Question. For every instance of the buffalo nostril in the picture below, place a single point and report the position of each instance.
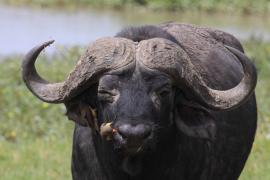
(123, 130)
(146, 134)
(140, 131)
(144, 131)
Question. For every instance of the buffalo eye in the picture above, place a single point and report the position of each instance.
(106, 96)
(164, 91)
(160, 95)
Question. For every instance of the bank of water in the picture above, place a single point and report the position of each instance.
(21, 28)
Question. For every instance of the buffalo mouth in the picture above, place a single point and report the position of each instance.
(135, 148)
(131, 146)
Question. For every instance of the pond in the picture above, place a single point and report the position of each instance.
(21, 28)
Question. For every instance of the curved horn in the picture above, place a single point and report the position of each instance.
(101, 56)
(178, 64)
(235, 96)
(48, 92)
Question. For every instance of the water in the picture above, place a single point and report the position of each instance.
(23, 28)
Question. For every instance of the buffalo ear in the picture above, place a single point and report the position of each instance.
(194, 120)
(82, 110)
(82, 114)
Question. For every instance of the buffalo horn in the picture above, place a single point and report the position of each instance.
(101, 56)
(170, 58)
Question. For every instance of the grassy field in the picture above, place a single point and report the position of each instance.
(234, 6)
(35, 137)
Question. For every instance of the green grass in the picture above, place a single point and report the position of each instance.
(36, 137)
(234, 6)
(258, 165)
(34, 158)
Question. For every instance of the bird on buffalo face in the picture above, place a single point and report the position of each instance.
(170, 101)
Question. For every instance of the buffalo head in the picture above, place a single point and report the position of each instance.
(141, 88)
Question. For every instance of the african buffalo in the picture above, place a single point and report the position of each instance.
(166, 102)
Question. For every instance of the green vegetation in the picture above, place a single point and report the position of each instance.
(36, 137)
(258, 166)
(236, 6)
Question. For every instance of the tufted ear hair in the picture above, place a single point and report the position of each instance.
(194, 120)
(82, 109)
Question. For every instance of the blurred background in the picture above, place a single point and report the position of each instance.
(36, 137)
